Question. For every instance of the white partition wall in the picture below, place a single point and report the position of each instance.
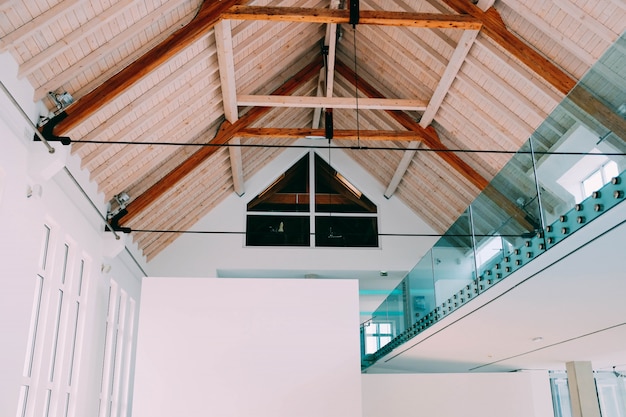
(248, 347)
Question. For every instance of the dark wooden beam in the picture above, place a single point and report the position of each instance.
(226, 132)
(430, 138)
(428, 135)
(208, 15)
(342, 16)
(495, 28)
(304, 198)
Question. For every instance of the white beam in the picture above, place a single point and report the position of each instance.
(226, 60)
(454, 65)
(457, 59)
(331, 39)
(331, 102)
(407, 157)
(327, 75)
(317, 112)
(582, 389)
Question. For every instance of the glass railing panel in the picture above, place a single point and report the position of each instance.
(569, 172)
(454, 266)
(420, 282)
(507, 220)
(387, 322)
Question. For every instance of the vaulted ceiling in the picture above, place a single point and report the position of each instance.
(160, 86)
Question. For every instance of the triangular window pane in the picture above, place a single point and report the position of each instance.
(288, 193)
(334, 193)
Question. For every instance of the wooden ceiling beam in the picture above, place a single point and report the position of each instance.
(226, 63)
(209, 14)
(450, 73)
(431, 139)
(282, 133)
(304, 198)
(331, 102)
(401, 169)
(495, 28)
(18, 35)
(342, 16)
(226, 132)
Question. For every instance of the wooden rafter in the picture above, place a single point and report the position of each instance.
(327, 74)
(401, 169)
(495, 28)
(319, 133)
(331, 102)
(341, 16)
(226, 62)
(456, 61)
(226, 132)
(204, 21)
(430, 138)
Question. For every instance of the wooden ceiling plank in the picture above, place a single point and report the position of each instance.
(339, 134)
(85, 106)
(495, 28)
(538, 84)
(556, 36)
(431, 139)
(179, 133)
(582, 17)
(103, 130)
(80, 33)
(27, 29)
(78, 67)
(226, 60)
(330, 102)
(341, 16)
(154, 129)
(226, 132)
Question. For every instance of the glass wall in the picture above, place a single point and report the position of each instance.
(610, 386)
(569, 172)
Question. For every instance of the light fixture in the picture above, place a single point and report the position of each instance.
(537, 339)
(60, 100)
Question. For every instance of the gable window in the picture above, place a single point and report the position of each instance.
(312, 204)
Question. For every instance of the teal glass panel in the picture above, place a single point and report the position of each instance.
(421, 291)
(569, 172)
(454, 266)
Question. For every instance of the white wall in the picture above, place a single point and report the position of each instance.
(36, 192)
(202, 255)
(522, 394)
(248, 348)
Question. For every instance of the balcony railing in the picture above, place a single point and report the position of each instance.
(568, 173)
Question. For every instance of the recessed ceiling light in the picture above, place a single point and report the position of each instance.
(537, 339)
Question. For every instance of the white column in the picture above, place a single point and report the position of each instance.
(582, 390)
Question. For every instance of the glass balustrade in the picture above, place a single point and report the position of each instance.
(570, 171)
